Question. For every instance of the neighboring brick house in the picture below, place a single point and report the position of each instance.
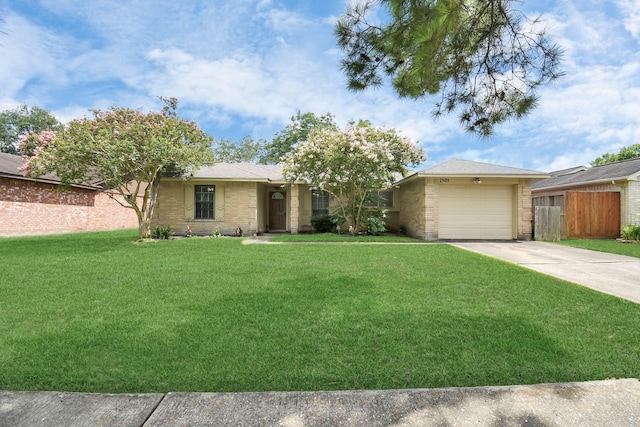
(29, 206)
(594, 201)
(457, 199)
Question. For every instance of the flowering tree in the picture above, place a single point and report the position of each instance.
(352, 164)
(123, 150)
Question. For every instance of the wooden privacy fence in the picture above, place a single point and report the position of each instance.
(547, 223)
(593, 214)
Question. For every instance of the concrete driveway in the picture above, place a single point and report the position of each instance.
(612, 274)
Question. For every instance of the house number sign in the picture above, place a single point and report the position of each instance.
(444, 180)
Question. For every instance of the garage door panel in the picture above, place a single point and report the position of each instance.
(475, 212)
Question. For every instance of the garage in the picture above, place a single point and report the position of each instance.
(475, 211)
(463, 199)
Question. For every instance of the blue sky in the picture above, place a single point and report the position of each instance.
(244, 67)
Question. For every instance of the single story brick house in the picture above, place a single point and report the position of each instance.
(230, 196)
(594, 201)
(457, 199)
(37, 206)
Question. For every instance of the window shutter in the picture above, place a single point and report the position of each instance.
(220, 202)
(189, 202)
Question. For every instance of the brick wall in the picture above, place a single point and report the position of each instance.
(241, 204)
(236, 206)
(28, 208)
(632, 215)
(524, 213)
(304, 212)
(432, 206)
(412, 197)
(241, 207)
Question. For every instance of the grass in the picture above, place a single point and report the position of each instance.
(96, 313)
(605, 245)
(342, 238)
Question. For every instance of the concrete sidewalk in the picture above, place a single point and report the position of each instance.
(599, 403)
(612, 274)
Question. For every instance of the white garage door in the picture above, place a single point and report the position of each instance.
(475, 212)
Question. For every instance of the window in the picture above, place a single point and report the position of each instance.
(319, 203)
(385, 199)
(380, 199)
(205, 201)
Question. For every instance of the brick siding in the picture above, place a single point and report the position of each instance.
(236, 206)
(632, 213)
(413, 212)
(524, 223)
(30, 208)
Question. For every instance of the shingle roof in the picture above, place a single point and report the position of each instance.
(453, 167)
(457, 167)
(619, 171)
(10, 165)
(241, 171)
(569, 171)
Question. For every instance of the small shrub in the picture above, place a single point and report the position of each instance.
(631, 232)
(162, 233)
(216, 232)
(375, 225)
(323, 224)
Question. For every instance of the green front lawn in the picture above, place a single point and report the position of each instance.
(97, 313)
(605, 245)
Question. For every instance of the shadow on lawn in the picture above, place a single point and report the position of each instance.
(249, 342)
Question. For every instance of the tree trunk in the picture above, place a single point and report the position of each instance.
(144, 229)
(148, 206)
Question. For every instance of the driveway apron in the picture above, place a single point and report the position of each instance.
(612, 274)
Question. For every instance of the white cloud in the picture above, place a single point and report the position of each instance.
(28, 53)
(247, 66)
(239, 84)
(8, 104)
(631, 11)
(284, 21)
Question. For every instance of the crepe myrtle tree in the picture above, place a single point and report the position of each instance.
(352, 164)
(124, 150)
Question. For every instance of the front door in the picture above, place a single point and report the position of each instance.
(277, 211)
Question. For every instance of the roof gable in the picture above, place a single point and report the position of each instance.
(619, 171)
(457, 167)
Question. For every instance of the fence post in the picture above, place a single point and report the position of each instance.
(547, 223)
